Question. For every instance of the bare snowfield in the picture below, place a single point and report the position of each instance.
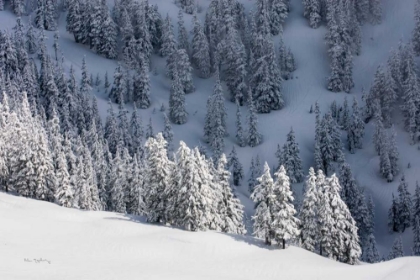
(41, 240)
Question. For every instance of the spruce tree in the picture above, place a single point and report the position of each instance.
(397, 250)
(200, 56)
(232, 210)
(416, 241)
(393, 218)
(416, 31)
(141, 85)
(404, 205)
(240, 134)
(308, 213)
(375, 9)
(370, 252)
(177, 111)
(156, 177)
(254, 136)
(263, 196)
(291, 159)
(235, 165)
(183, 42)
(285, 223)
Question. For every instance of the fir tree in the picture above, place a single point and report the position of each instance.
(141, 86)
(404, 205)
(200, 56)
(371, 254)
(285, 223)
(232, 210)
(397, 250)
(393, 218)
(254, 136)
(235, 165)
(308, 213)
(177, 111)
(416, 241)
(240, 135)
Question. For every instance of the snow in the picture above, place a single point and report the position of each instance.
(76, 244)
(307, 87)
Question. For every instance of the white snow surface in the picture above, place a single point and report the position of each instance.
(40, 240)
(307, 87)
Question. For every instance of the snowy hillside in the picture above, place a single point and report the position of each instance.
(44, 241)
(127, 246)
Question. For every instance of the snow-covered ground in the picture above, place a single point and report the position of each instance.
(40, 240)
(307, 87)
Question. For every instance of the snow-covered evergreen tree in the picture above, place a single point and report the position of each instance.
(254, 136)
(141, 85)
(200, 56)
(235, 165)
(240, 134)
(156, 178)
(308, 213)
(285, 224)
(404, 205)
(232, 210)
(264, 197)
(312, 11)
(375, 9)
(370, 252)
(183, 42)
(397, 250)
(291, 159)
(416, 238)
(393, 218)
(177, 111)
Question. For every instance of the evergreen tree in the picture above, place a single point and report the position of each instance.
(264, 197)
(177, 111)
(111, 130)
(291, 159)
(285, 223)
(232, 210)
(393, 218)
(183, 42)
(118, 183)
(308, 213)
(119, 88)
(240, 135)
(168, 135)
(371, 254)
(404, 205)
(416, 241)
(397, 250)
(200, 56)
(312, 11)
(254, 136)
(416, 203)
(141, 86)
(235, 165)
(156, 177)
(168, 38)
(375, 9)
(416, 31)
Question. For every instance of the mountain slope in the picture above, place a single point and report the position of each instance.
(101, 245)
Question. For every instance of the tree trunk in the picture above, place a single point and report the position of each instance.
(284, 244)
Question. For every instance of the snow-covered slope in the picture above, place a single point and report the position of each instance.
(307, 87)
(41, 240)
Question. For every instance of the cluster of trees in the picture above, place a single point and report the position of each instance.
(317, 11)
(325, 222)
(405, 210)
(351, 122)
(344, 20)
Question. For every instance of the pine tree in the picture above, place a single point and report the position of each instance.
(141, 86)
(183, 42)
(232, 210)
(375, 9)
(308, 213)
(118, 183)
(404, 205)
(278, 14)
(254, 136)
(291, 159)
(235, 165)
(312, 11)
(393, 218)
(156, 177)
(371, 254)
(168, 38)
(416, 31)
(149, 131)
(64, 192)
(397, 250)
(200, 56)
(111, 130)
(416, 203)
(240, 135)
(285, 223)
(177, 111)
(119, 87)
(168, 135)
(184, 69)
(416, 241)
(263, 196)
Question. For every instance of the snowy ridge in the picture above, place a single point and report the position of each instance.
(101, 245)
